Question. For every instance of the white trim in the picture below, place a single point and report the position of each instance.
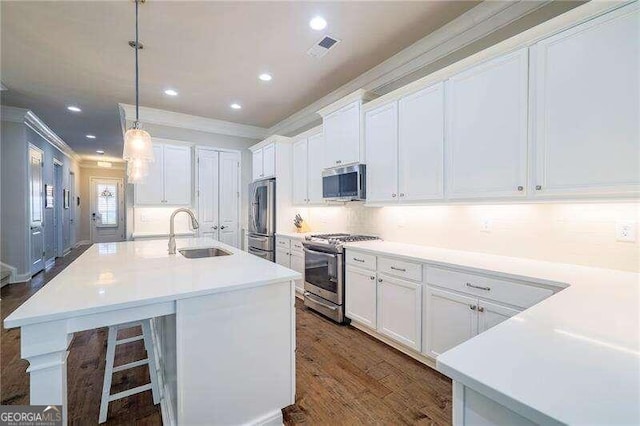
(270, 419)
(307, 133)
(82, 243)
(268, 141)
(93, 164)
(21, 278)
(3, 87)
(473, 25)
(193, 122)
(12, 272)
(358, 95)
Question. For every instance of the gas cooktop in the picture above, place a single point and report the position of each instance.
(336, 239)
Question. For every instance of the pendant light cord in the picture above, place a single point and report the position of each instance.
(137, 47)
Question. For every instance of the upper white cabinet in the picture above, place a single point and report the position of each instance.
(169, 178)
(307, 154)
(381, 130)
(486, 125)
(587, 88)
(342, 136)
(264, 162)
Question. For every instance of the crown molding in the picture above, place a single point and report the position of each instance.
(192, 122)
(469, 27)
(359, 95)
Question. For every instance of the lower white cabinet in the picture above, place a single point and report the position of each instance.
(290, 255)
(492, 314)
(400, 310)
(360, 294)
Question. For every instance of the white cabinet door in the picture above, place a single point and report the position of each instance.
(297, 264)
(360, 294)
(257, 170)
(400, 310)
(342, 135)
(491, 314)
(421, 145)
(381, 141)
(331, 125)
(177, 175)
(486, 150)
(229, 198)
(151, 191)
(449, 320)
(283, 257)
(207, 194)
(269, 161)
(300, 172)
(315, 164)
(587, 104)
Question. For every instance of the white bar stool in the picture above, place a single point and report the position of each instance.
(112, 343)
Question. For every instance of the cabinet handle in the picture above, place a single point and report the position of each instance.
(393, 195)
(479, 287)
(223, 227)
(480, 309)
(358, 260)
(398, 269)
(379, 280)
(215, 227)
(538, 187)
(402, 194)
(521, 188)
(372, 278)
(472, 307)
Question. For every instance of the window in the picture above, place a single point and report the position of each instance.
(107, 204)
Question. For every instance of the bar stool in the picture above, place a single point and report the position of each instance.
(150, 360)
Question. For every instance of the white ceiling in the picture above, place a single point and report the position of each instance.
(60, 53)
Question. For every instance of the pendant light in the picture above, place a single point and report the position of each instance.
(138, 150)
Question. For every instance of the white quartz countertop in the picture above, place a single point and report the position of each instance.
(573, 358)
(120, 275)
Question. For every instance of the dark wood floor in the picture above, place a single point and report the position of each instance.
(344, 376)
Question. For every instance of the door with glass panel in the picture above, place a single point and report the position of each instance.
(36, 214)
(107, 210)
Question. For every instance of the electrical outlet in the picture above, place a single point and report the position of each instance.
(485, 225)
(626, 231)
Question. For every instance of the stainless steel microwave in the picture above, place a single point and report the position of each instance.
(344, 183)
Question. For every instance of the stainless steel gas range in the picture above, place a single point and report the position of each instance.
(324, 272)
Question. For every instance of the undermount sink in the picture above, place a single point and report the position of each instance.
(197, 253)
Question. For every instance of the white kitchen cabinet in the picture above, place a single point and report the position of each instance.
(315, 156)
(381, 139)
(449, 320)
(399, 310)
(297, 264)
(341, 130)
(169, 178)
(361, 296)
(491, 314)
(300, 172)
(264, 162)
(289, 253)
(283, 257)
(421, 145)
(586, 86)
(486, 129)
(257, 167)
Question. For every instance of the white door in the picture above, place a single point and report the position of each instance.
(208, 193)
(72, 209)
(449, 320)
(229, 198)
(58, 211)
(400, 311)
(492, 314)
(297, 264)
(486, 150)
(36, 205)
(587, 104)
(257, 170)
(300, 172)
(107, 210)
(421, 145)
(151, 190)
(315, 165)
(177, 175)
(269, 161)
(381, 139)
(283, 257)
(360, 296)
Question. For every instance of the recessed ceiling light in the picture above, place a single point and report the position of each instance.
(265, 77)
(91, 136)
(171, 92)
(318, 23)
(101, 152)
(236, 106)
(74, 108)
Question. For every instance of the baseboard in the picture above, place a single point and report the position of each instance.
(50, 262)
(82, 243)
(428, 361)
(300, 293)
(270, 419)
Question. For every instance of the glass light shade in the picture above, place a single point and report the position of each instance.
(137, 170)
(137, 145)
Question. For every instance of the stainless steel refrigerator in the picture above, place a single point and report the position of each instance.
(262, 218)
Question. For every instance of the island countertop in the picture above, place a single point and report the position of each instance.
(128, 274)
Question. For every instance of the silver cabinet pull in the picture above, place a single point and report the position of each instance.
(215, 227)
(372, 278)
(223, 227)
(472, 307)
(379, 280)
(398, 269)
(393, 195)
(479, 287)
(402, 194)
(521, 188)
(538, 187)
(480, 309)
(358, 260)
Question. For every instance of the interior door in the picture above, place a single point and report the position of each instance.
(72, 209)
(208, 185)
(107, 210)
(229, 198)
(36, 204)
(58, 211)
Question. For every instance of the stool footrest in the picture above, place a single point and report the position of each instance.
(131, 365)
(130, 392)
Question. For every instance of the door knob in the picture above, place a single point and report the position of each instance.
(215, 227)
(223, 227)
(521, 188)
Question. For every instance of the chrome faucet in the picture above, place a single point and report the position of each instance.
(172, 233)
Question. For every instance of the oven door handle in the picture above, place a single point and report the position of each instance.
(315, 300)
(319, 253)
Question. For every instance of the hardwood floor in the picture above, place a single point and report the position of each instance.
(344, 376)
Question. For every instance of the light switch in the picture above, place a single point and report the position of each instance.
(626, 231)
(485, 225)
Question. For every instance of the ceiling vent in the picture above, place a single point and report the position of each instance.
(321, 48)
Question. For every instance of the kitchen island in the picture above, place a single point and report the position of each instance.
(224, 327)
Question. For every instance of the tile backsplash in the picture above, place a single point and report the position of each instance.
(579, 233)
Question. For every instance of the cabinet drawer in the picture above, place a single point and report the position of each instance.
(283, 242)
(361, 260)
(400, 268)
(296, 245)
(487, 287)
